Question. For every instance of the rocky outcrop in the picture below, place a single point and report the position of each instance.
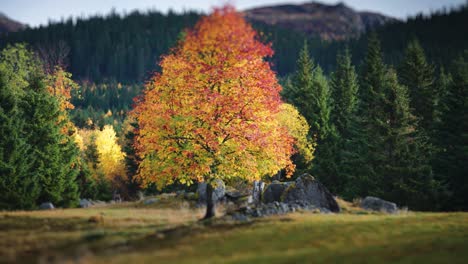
(330, 22)
(257, 190)
(85, 203)
(274, 191)
(377, 204)
(218, 192)
(305, 194)
(309, 190)
(275, 208)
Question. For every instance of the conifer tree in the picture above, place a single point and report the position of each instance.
(344, 87)
(297, 90)
(407, 173)
(391, 154)
(35, 148)
(56, 153)
(364, 153)
(310, 92)
(19, 186)
(418, 75)
(453, 136)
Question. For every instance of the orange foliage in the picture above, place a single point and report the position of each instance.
(212, 113)
(60, 85)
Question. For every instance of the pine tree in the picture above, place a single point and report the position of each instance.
(407, 173)
(364, 154)
(310, 92)
(344, 86)
(56, 153)
(34, 148)
(390, 154)
(418, 75)
(298, 90)
(19, 186)
(453, 136)
(131, 159)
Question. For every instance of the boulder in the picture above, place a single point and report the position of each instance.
(274, 191)
(308, 190)
(218, 192)
(85, 203)
(257, 190)
(150, 201)
(377, 204)
(190, 196)
(46, 206)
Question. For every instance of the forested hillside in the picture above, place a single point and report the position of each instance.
(127, 48)
(387, 111)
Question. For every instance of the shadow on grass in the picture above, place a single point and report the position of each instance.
(58, 240)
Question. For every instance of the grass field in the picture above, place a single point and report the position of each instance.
(171, 233)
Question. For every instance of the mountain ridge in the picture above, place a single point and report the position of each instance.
(329, 22)
(9, 25)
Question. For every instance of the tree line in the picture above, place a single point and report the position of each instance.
(394, 132)
(127, 48)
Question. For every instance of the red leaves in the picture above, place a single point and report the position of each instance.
(214, 107)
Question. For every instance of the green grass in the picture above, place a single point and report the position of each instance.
(133, 233)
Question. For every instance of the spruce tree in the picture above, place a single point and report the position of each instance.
(131, 159)
(56, 153)
(391, 155)
(364, 154)
(344, 87)
(19, 186)
(407, 172)
(310, 92)
(453, 136)
(418, 75)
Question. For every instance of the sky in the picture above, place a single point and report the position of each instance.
(37, 12)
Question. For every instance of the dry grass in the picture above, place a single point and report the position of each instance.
(169, 232)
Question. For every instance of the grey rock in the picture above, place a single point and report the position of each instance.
(307, 190)
(257, 190)
(189, 196)
(377, 204)
(274, 191)
(85, 203)
(46, 206)
(240, 217)
(150, 201)
(218, 192)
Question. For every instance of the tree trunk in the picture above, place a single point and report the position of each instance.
(210, 205)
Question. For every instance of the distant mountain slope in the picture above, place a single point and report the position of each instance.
(9, 25)
(329, 22)
(126, 48)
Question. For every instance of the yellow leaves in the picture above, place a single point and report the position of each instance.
(79, 141)
(111, 157)
(298, 128)
(212, 112)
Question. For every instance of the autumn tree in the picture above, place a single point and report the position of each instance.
(110, 155)
(212, 112)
